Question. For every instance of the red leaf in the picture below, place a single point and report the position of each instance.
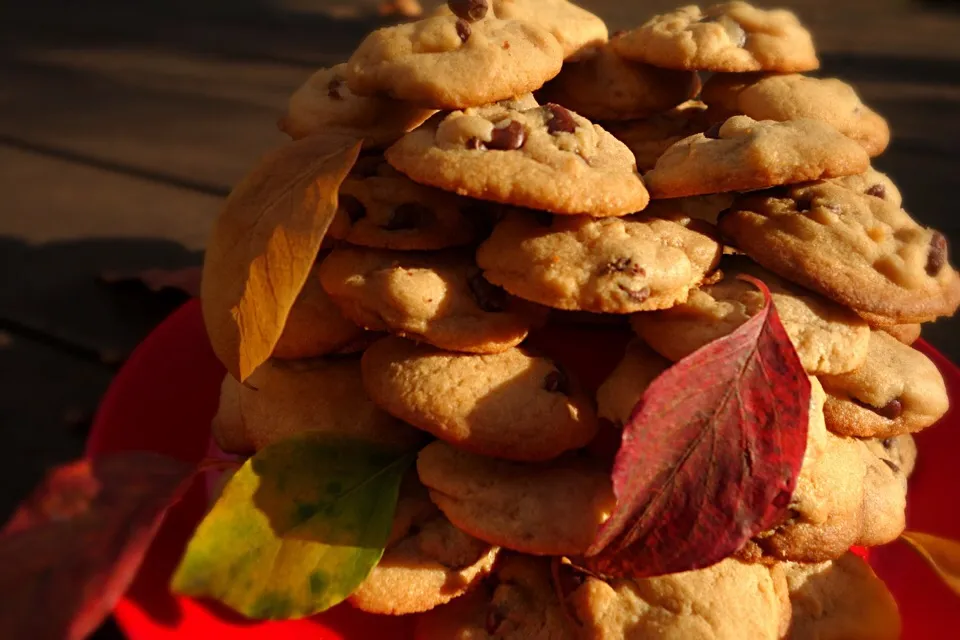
(74, 546)
(710, 456)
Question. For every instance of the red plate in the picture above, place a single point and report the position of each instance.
(164, 397)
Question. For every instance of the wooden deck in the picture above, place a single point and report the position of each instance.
(121, 131)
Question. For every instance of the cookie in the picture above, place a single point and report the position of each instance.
(518, 602)
(601, 85)
(846, 495)
(287, 398)
(510, 405)
(905, 333)
(730, 37)
(445, 62)
(427, 561)
(572, 26)
(871, 183)
(828, 338)
(325, 102)
(883, 509)
(316, 327)
(792, 97)
(603, 265)
(840, 600)
(706, 208)
(896, 390)
(524, 507)
(861, 251)
(544, 158)
(730, 600)
(742, 154)
(899, 453)
(649, 138)
(382, 208)
(439, 298)
(621, 391)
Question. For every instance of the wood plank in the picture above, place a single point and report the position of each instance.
(165, 115)
(65, 223)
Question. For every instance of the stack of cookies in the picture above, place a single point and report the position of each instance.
(523, 169)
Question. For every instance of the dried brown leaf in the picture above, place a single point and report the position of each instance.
(265, 243)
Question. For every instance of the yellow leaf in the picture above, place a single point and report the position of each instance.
(941, 554)
(264, 244)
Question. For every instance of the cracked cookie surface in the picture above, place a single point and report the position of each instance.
(545, 158)
(602, 265)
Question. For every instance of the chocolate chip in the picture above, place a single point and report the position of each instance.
(557, 382)
(487, 295)
(622, 265)
(409, 215)
(508, 138)
(474, 144)
(469, 10)
(713, 132)
(888, 443)
(637, 295)
(463, 30)
(893, 465)
(938, 253)
(352, 207)
(877, 190)
(804, 203)
(891, 411)
(333, 88)
(561, 120)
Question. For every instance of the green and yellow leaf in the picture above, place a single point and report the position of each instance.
(297, 528)
(264, 244)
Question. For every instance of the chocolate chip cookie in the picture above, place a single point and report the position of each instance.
(601, 85)
(518, 602)
(621, 391)
(730, 600)
(730, 37)
(706, 208)
(546, 158)
(828, 338)
(846, 495)
(325, 102)
(446, 62)
(511, 405)
(382, 208)
(842, 599)
(440, 298)
(742, 154)
(427, 561)
(316, 327)
(896, 390)
(871, 183)
(859, 250)
(283, 399)
(648, 138)
(603, 265)
(524, 507)
(793, 96)
(574, 27)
